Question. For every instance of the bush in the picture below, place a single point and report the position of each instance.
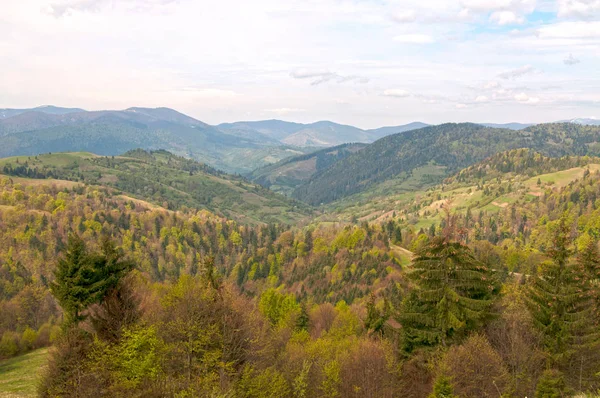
(9, 345)
(28, 339)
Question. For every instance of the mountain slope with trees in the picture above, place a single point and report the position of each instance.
(450, 147)
(166, 180)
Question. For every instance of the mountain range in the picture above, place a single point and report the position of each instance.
(239, 147)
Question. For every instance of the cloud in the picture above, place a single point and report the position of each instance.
(491, 85)
(399, 93)
(506, 18)
(570, 30)
(581, 9)
(461, 106)
(322, 76)
(515, 73)
(502, 12)
(404, 16)
(414, 38)
(481, 99)
(526, 99)
(571, 60)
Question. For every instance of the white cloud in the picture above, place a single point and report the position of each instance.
(526, 99)
(461, 106)
(481, 99)
(491, 84)
(571, 60)
(515, 73)
(582, 9)
(319, 76)
(570, 30)
(404, 16)
(506, 18)
(414, 38)
(396, 93)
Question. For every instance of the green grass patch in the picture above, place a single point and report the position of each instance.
(19, 376)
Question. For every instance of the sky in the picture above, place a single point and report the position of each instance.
(367, 63)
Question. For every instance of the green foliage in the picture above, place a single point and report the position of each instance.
(442, 388)
(268, 383)
(551, 385)
(277, 307)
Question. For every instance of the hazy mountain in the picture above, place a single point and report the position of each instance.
(114, 132)
(584, 121)
(275, 129)
(325, 134)
(381, 132)
(438, 151)
(49, 109)
(319, 134)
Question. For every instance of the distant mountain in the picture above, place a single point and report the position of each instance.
(285, 175)
(275, 129)
(326, 134)
(584, 121)
(438, 151)
(381, 132)
(112, 132)
(49, 109)
(319, 134)
(511, 126)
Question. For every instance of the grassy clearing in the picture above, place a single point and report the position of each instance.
(19, 376)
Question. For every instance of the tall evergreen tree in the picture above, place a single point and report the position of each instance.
(560, 301)
(453, 293)
(83, 279)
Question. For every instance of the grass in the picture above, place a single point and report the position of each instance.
(19, 376)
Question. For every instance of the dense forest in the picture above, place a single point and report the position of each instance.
(143, 300)
(450, 147)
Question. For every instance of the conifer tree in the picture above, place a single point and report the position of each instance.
(83, 279)
(453, 292)
(560, 301)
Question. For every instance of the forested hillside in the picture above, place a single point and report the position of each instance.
(461, 289)
(164, 179)
(285, 175)
(448, 148)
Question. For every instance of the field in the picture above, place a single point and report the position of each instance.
(19, 375)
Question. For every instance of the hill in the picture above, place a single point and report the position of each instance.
(285, 175)
(437, 152)
(49, 109)
(163, 179)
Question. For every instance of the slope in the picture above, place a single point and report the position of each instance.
(164, 179)
(284, 176)
(446, 148)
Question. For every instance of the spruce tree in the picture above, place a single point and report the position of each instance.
(453, 293)
(82, 279)
(560, 301)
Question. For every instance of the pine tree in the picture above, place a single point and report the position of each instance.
(454, 292)
(560, 301)
(442, 388)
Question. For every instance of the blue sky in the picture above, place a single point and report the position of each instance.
(361, 62)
